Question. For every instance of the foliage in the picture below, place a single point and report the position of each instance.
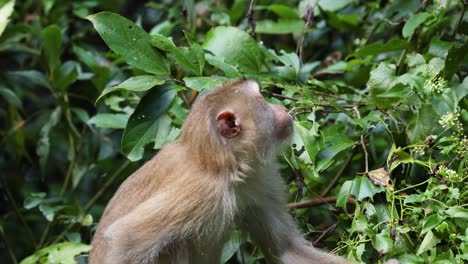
(377, 90)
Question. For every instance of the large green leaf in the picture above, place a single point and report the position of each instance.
(136, 84)
(143, 124)
(235, 47)
(129, 41)
(62, 253)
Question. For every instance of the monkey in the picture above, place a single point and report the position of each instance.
(220, 174)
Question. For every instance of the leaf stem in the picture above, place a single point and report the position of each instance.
(363, 144)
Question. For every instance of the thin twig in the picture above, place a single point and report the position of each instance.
(335, 96)
(280, 96)
(192, 98)
(326, 231)
(308, 23)
(340, 172)
(251, 19)
(363, 144)
(393, 24)
(317, 201)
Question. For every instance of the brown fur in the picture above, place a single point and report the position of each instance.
(179, 207)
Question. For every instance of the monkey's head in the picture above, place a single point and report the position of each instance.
(235, 121)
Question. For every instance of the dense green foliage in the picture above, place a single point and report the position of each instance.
(377, 168)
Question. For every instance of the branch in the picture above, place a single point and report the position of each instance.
(326, 231)
(317, 201)
(251, 20)
(308, 23)
(363, 144)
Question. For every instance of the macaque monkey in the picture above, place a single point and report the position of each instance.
(221, 173)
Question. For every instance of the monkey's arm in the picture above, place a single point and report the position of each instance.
(275, 232)
(139, 236)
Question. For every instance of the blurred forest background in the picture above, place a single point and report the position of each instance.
(377, 168)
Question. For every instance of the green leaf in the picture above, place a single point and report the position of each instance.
(439, 48)
(43, 146)
(414, 22)
(342, 22)
(343, 194)
(334, 5)
(166, 132)
(191, 59)
(66, 75)
(335, 143)
(135, 84)
(360, 187)
(231, 247)
(51, 46)
(414, 198)
(377, 47)
(457, 212)
(106, 120)
(49, 210)
(229, 70)
(235, 47)
(142, 126)
(5, 12)
(383, 243)
(282, 26)
(430, 222)
(454, 58)
(421, 124)
(308, 140)
(396, 157)
(10, 97)
(284, 11)
(129, 41)
(203, 83)
(33, 200)
(35, 77)
(63, 253)
(428, 243)
(386, 89)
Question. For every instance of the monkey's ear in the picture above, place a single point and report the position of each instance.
(228, 125)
